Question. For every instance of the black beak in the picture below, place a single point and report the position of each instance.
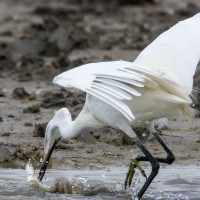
(46, 162)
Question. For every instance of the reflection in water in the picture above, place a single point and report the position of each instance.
(172, 183)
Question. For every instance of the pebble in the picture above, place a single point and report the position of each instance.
(32, 109)
(39, 130)
(20, 93)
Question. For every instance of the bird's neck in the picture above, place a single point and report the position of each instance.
(72, 129)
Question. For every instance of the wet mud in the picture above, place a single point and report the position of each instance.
(39, 39)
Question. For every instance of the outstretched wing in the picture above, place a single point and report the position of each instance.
(112, 82)
(175, 53)
(169, 63)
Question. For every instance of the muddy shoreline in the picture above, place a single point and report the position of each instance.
(39, 40)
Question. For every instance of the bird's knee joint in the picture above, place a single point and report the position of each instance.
(138, 157)
(170, 158)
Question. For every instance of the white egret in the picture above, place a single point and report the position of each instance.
(124, 94)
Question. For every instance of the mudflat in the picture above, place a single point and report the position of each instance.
(40, 39)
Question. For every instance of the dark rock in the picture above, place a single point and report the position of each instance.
(11, 116)
(88, 6)
(7, 65)
(106, 135)
(39, 130)
(75, 98)
(5, 134)
(103, 6)
(136, 2)
(6, 152)
(111, 136)
(189, 10)
(34, 148)
(51, 49)
(109, 41)
(111, 5)
(50, 40)
(50, 23)
(196, 91)
(99, 7)
(30, 63)
(20, 93)
(2, 93)
(33, 67)
(32, 109)
(28, 124)
(24, 76)
(27, 67)
(61, 63)
(42, 29)
(55, 100)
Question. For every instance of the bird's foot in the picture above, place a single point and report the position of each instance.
(129, 177)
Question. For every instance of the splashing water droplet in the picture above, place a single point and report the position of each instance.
(135, 187)
(119, 186)
(103, 175)
(78, 184)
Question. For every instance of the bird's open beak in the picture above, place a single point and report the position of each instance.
(46, 161)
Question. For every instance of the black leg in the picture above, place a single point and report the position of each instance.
(160, 160)
(170, 156)
(154, 163)
(155, 167)
(135, 162)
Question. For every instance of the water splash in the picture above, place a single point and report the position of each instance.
(135, 186)
(78, 184)
(172, 183)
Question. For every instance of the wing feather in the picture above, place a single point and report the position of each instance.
(118, 93)
(119, 85)
(177, 51)
(119, 105)
(106, 81)
(168, 85)
(105, 91)
(167, 64)
(122, 79)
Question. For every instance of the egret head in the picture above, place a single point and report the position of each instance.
(54, 132)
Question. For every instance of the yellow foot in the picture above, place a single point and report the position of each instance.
(129, 177)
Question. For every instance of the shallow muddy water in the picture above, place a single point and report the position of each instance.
(172, 183)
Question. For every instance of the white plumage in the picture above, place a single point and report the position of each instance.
(124, 94)
(165, 68)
